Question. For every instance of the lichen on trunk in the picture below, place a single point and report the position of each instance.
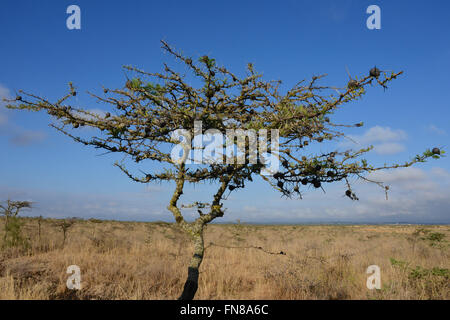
(191, 284)
(195, 230)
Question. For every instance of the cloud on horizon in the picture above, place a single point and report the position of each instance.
(415, 196)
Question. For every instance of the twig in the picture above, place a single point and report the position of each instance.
(249, 247)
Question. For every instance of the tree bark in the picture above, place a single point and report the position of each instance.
(191, 284)
(6, 227)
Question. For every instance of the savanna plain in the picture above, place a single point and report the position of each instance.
(148, 260)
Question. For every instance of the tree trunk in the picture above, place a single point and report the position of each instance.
(6, 227)
(39, 224)
(64, 237)
(191, 284)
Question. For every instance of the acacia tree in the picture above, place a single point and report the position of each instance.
(144, 113)
(65, 225)
(11, 211)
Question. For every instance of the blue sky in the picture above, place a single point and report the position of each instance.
(287, 40)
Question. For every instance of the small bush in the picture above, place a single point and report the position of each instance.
(399, 263)
(420, 273)
(435, 237)
(93, 220)
(13, 234)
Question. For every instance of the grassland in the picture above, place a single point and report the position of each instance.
(134, 260)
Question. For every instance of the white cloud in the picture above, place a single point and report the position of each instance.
(95, 113)
(415, 196)
(389, 148)
(141, 206)
(380, 134)
(250, 209)
(384, 139)
(434, 129)
(440, 174)
(406, 179)
(400, 175)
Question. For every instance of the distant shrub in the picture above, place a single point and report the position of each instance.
(93, 220)
(13, 234)
(435, 237)
(65, 225)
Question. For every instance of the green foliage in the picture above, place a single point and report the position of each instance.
(136, 83)
(435, 237)
(209, 62)
(13, 234)
(116, 132)
(419, 273)
(154, 89)
(429, 154)
(420, 231)
(399, 263)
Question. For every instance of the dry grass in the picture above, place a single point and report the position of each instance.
(127, 260)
